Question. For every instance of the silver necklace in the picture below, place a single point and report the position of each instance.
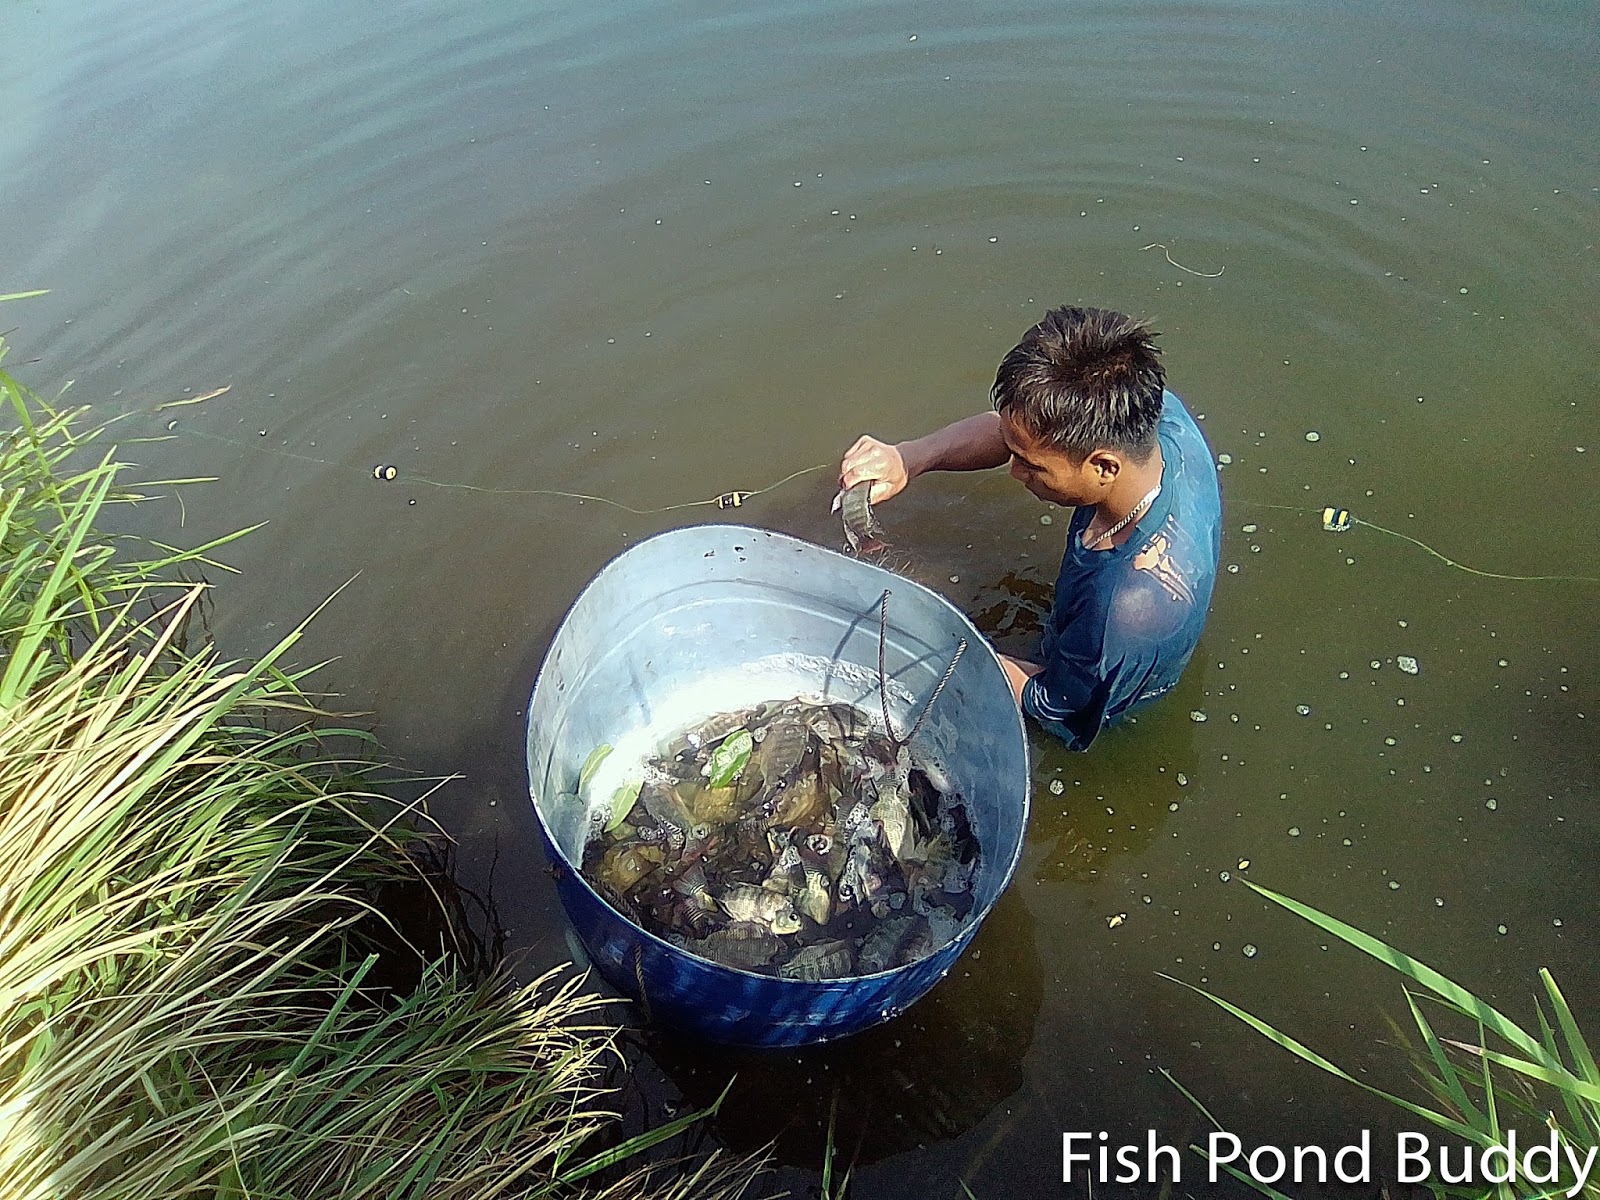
(1134, 513)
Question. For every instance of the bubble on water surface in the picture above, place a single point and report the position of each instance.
(1313, 436)
(1224, 876)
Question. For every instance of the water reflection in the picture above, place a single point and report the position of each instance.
(1013, 612)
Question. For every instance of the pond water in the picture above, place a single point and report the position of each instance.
(655, 252)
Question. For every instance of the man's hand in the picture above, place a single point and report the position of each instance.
(878, 461)
(971, 444)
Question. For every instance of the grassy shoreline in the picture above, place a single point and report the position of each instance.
(192, 927)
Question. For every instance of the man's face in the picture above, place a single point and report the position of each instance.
(1051, 475)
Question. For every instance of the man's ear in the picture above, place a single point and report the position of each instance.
(1105, 465)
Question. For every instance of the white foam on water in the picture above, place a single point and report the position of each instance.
(788, 676)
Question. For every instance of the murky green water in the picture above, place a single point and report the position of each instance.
(655, 252)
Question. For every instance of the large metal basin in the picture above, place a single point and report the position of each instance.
(715, 617)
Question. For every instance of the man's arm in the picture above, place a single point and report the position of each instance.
(970, 444)
(1018, 672)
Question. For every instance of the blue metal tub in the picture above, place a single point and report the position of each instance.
(716, 617)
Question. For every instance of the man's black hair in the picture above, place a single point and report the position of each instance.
(1085, 379)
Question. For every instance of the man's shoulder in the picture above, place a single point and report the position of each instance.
(1178, 422)
(1171, 575)
(1196, 488)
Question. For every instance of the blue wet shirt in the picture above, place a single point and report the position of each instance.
(1126, 620)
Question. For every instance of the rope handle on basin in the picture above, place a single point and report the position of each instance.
(883, 677)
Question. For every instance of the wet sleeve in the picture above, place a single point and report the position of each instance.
(1069, 698)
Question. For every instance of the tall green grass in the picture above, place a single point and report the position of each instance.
(1547, 1077)
(192, 925)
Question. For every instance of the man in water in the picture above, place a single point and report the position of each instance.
(1082, 414)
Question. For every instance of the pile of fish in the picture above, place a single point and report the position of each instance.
(793, 839)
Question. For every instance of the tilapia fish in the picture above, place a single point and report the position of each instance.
(760, 906)
(861, 529)
(893, 815)
(744, 946)
(821, 852)
(625, 865)
(835, 724)
(824, 960)
(779, 753)
(661, 801)
(881, 949)
(801, 803)
(815, 898)
(712, 806)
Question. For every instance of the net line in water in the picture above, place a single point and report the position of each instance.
(737, 497)
(1405, 537)
(387, 473)
(723, 500)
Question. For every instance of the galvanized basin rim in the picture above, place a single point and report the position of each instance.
(710, 618)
